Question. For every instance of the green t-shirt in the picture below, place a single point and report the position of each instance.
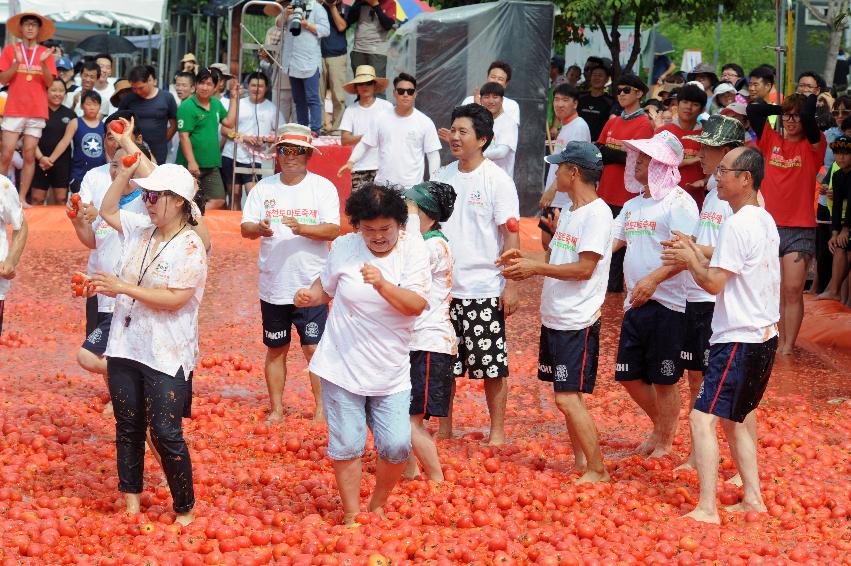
(203, 128)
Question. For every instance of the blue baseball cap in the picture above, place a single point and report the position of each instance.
(582, 154)
(64, 63)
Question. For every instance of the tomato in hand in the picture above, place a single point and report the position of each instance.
(513, 225)
(117, 127)
(129, 160)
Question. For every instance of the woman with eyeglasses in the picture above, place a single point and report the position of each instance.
(632, 124)
(792, 163)
(153, 342)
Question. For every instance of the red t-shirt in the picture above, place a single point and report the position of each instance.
(611, 188)
(689, 173)
(27, 98)
(790, 172)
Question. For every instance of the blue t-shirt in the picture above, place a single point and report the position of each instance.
(335, 44)
(88, 149)
(660, 65)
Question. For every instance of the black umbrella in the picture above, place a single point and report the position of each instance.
(115, 45)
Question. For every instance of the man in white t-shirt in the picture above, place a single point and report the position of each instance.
(295, 214)
(258, 120)
(483, 226)
(402, 137)
(11, 214)
(498, 72)
(575, 272)
(360, 117)
(720, 135)
(503, 148)
(104, 85)
(648, 359)
(745, 275)
(573, 128)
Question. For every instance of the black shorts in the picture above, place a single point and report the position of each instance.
(96, 340)
(695, 353)
(241, 178)
(736, 379)
(548, 212)
(797, 240)
(91, 314)
(431, 383)
(568, 358)
(650, 345)
(482, 348)
(57, 177)
(279, 319)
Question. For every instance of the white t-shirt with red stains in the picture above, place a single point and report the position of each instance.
(164, 340)
(644, 223)
(366, 344)
(11, 214)
(288, 262)
(573, 304)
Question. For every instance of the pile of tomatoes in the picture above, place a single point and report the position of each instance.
(266, 493)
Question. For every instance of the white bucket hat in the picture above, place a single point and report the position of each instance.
(174, 178)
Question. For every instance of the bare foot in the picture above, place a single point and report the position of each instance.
(380, 512)
(786, 350)
(443, 433)
(689, 464)
(828, 297)
(496, 440)
(133, 501)
(744, 507)
(660, 452)
(736, 480)
(25, 204)
(275, 417)
(647, 446)
(107, 410)
(591, 476)
(703, 517)
(185, 518)
(349, 520)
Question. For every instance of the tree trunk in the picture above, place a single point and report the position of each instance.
(835, 20)
(636, 44)
(836, 33)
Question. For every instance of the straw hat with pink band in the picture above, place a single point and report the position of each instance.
(296, 134)
(663, 174)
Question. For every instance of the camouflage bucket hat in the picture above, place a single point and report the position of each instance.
(720, 130)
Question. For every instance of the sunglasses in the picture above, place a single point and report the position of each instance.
(841, 112)
(290, 150)
(153, 196)
(625, 90)
(408, 91)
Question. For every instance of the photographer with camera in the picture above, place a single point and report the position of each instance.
(334, 52)
(374, 19)
(307, 24)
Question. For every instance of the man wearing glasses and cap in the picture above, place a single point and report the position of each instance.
(295, 214)
(29, 69)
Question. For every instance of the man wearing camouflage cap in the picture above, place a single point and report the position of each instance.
(720, 135)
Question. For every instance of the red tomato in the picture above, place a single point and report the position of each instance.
(513, 225)
(129, 160)
(117, 126)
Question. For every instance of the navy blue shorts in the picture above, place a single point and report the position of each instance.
(279, 319)
(568, 358)
(736, 379)
(695, 353)
(97, 338)
(431, 383)
(651, 344)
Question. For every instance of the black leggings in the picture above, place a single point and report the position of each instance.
(142, 396)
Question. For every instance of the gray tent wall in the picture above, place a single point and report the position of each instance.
(449, 51)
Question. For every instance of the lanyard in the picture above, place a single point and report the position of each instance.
(142, 273)
(31, 61)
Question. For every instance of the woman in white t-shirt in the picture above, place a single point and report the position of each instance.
(433, 344)
(379, 278)
(153, 345)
